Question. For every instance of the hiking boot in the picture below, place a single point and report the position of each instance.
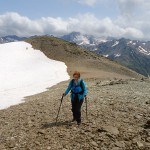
(78, 123)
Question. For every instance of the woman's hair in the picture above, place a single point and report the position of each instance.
(76, 73)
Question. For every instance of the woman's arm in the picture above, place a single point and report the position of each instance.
(85, 89)
(69, 88)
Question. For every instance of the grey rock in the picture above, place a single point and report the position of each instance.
(138, 116)
(41, 131)
(11, 144)
(120, 144)
(94, 143)
(37, 143)
(148, 102)
(147, 144)
(148, 139)
(48, 148)
(111, 129)
(115, 148)
(140, 144)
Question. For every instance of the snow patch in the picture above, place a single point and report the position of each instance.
(81, 40)
(103, 41)
(100, 40)
(130, 42)
(142, 50)
(117, 55)
(25, 71)
(106, 55)
(116, 43)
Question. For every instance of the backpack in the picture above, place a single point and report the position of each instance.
(81, 85)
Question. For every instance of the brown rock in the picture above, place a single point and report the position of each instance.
(41, 131)
(111, 129)
(94, 143)
(140, 144)
(120, 144)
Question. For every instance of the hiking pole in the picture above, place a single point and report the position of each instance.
(86, 106)
(59, 109)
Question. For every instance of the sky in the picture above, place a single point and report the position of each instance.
(114, 18)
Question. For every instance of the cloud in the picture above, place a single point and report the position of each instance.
(127, 7)
(14, 24)
(88, 2)
(135, 14)
(133, 8)
(89, 24)
(132, 22)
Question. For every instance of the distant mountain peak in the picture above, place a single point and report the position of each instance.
(11, 38)
(133, 54)
(84, 40)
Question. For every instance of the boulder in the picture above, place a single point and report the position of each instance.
(110, 129)
(94, 144)
(140, 144)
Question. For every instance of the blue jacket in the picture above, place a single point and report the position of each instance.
(82, 91)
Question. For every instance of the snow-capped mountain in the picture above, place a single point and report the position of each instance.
(11, 38)
(86, 41)
(116, 46)
(133, 54)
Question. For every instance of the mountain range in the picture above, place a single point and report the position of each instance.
(11, 38)
(133, 54)
(130, 53)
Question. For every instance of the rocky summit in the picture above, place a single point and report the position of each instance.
(118, 103)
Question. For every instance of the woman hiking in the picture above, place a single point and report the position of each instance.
(78, 91)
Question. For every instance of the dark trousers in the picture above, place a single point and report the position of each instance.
(76, 108)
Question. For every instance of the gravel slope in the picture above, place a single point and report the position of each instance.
(117, 113)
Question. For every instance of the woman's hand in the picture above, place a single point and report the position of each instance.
(63, 94)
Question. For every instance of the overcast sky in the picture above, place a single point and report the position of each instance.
(116, 18)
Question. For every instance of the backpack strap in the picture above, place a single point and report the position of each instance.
(81, 85)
